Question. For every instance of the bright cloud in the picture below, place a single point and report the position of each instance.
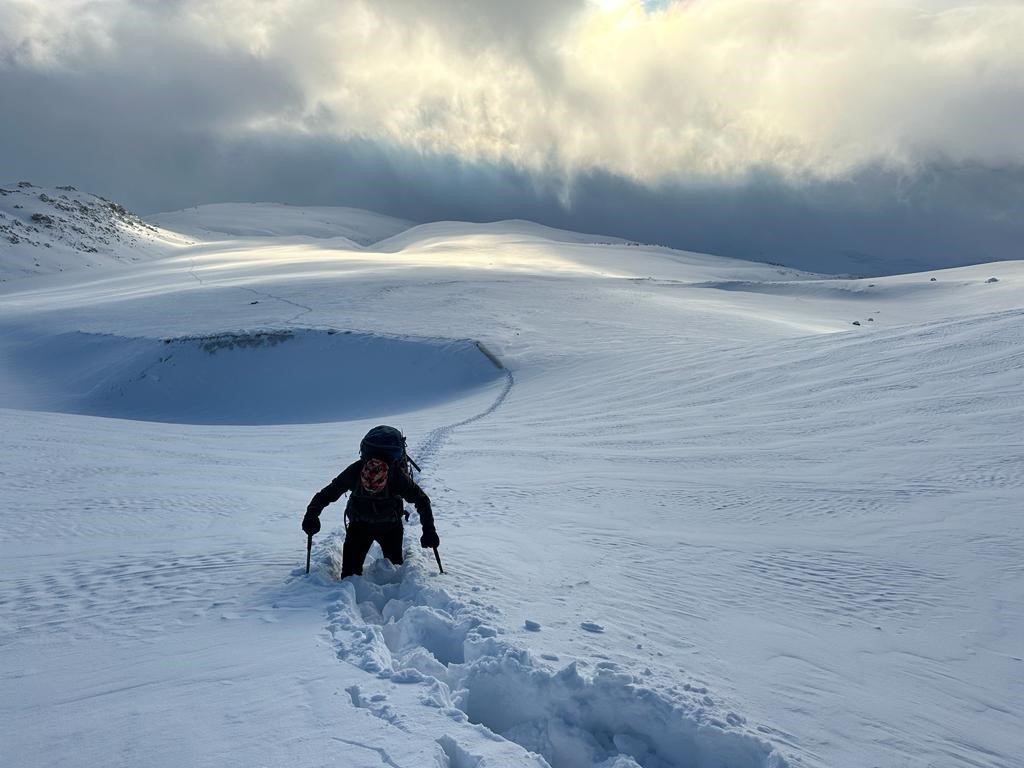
(653, 92)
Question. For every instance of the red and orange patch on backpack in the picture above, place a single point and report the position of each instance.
(374, 475)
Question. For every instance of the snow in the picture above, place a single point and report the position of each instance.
(690, 515)
(288, 377)
(45, 230)
(212, 222)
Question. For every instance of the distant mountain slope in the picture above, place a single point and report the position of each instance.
(47, 229)
(54, 229)
(276, 220)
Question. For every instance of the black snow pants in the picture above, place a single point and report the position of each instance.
(360, 537)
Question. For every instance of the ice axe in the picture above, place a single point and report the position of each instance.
(309, 549)
(437, 557)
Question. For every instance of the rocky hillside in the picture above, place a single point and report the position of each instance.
(45, 230)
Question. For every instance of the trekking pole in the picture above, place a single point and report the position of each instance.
(309, 548)
(437, 557)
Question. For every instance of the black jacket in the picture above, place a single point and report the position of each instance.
(382, 507)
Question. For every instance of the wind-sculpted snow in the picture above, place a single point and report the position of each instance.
(271, 377)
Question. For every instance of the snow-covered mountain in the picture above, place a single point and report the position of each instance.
(694, 511)
(45, 230)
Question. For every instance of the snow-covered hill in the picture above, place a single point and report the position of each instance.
(215, 221)
(694, 511)
(44, 230)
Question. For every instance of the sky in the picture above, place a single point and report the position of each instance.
(862, 137)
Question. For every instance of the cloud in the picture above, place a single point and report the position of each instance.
(879, 108)
(705, 88)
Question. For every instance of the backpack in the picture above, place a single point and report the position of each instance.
(384, 443)
(382, 451)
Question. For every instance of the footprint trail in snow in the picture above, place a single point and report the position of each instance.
(497, 704)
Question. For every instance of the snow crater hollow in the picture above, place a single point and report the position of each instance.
(297, 376)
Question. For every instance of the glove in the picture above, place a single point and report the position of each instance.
(311, 524)
(429, 539)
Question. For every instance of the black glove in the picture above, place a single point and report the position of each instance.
(311, 524)
(429, 539)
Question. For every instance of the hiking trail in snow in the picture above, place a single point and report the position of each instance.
(429, 649)
(504, 706)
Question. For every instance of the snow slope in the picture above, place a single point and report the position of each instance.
(695, 518)
(213, 222)
(44, 230)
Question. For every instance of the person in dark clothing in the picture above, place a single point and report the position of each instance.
(377, 485)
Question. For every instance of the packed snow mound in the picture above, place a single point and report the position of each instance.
(45, 230)
(213, 222)
(272, 377)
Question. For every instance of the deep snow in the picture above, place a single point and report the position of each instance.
(698, 518)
